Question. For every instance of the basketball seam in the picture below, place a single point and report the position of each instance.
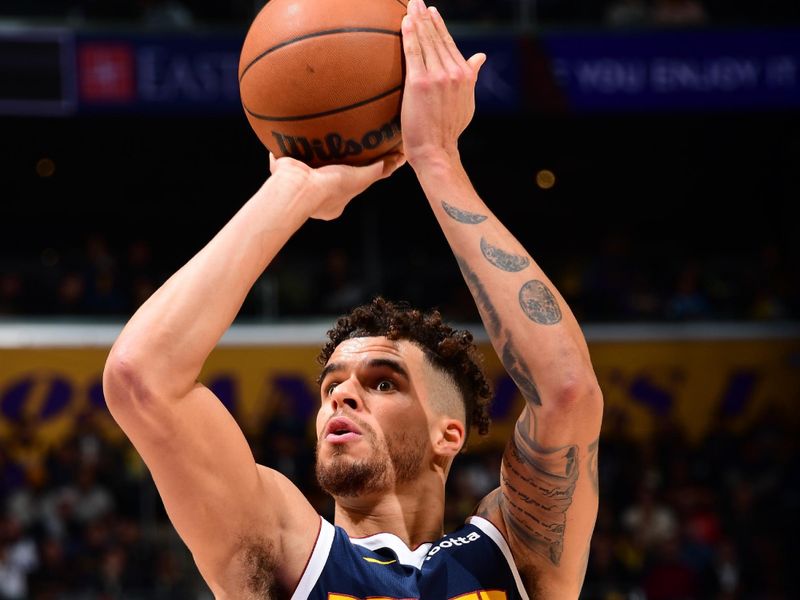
(333, 111)
(313, 35)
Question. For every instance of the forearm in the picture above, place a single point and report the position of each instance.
(529, 323)
(169, 338)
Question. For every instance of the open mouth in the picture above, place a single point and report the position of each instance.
(341, 430)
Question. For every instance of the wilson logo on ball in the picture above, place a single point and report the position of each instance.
(315, 75)
(333, 146)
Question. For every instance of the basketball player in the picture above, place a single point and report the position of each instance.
(399, 391)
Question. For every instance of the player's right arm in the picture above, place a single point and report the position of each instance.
(249, 529)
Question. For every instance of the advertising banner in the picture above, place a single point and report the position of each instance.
(657, 70)
(698, 385)
(581, 71)
(601, 70)
(182, 73)
(167, 73)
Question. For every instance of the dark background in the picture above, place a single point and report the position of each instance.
(659, 195)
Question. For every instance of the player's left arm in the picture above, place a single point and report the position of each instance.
(547, 502)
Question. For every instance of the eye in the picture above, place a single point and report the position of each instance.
(385, 386)
(330, 388)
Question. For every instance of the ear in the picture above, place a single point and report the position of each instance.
(449, 437)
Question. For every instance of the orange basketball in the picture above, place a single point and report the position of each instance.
(322, 80)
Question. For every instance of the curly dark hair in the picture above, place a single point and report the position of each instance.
(453, 351)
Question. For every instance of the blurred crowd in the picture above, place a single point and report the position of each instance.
(616, 282)
(79, 522)
(189, 13)
(711, 519)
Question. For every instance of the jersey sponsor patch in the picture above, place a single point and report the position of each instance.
(453, 541)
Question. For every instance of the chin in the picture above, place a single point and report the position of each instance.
(342, 474)
(334, 456)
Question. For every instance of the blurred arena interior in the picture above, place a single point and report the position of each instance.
(647, 152)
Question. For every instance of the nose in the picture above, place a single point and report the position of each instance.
(347, 394)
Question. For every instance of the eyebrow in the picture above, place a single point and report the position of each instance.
(388, 363)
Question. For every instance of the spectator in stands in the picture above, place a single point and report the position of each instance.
(11, 293)
(12, 475)
(678, 12)
(18, 557)
(652, 523)
(166, 14)
(340, 288)
(688, 300)
(668, 577)
(627, 13)
(140, 273)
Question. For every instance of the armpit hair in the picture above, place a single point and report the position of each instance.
(257, 565)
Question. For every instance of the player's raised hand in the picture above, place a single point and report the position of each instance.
(439, 94)
(328, 189)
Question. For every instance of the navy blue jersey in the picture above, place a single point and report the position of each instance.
(472, 563)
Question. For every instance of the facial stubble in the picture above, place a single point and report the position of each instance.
(401, 454)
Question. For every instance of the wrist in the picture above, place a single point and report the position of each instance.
(292, 194)
(289, 178)
(440, 172)
(434, 159)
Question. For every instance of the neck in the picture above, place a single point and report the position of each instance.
(414, 512)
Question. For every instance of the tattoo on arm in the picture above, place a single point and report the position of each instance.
(520, 372)
(462, 216)
(594, 475)
(481, 297)
(538, 303)
(538, 485)
(502, 259)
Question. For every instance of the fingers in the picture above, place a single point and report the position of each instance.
(425, 49)
(447, 44)
(272, 161)
(432, 51)
(366, 174)
(429, 45)
(392, 162)
(411, 47)
(380, 169)
(476, 61)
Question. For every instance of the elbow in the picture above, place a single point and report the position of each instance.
(124, 379)
(579, 393)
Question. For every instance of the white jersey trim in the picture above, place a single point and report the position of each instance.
(319, 556)
(489, 529)
(410, 558)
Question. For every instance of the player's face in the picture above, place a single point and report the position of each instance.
(373, 424)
